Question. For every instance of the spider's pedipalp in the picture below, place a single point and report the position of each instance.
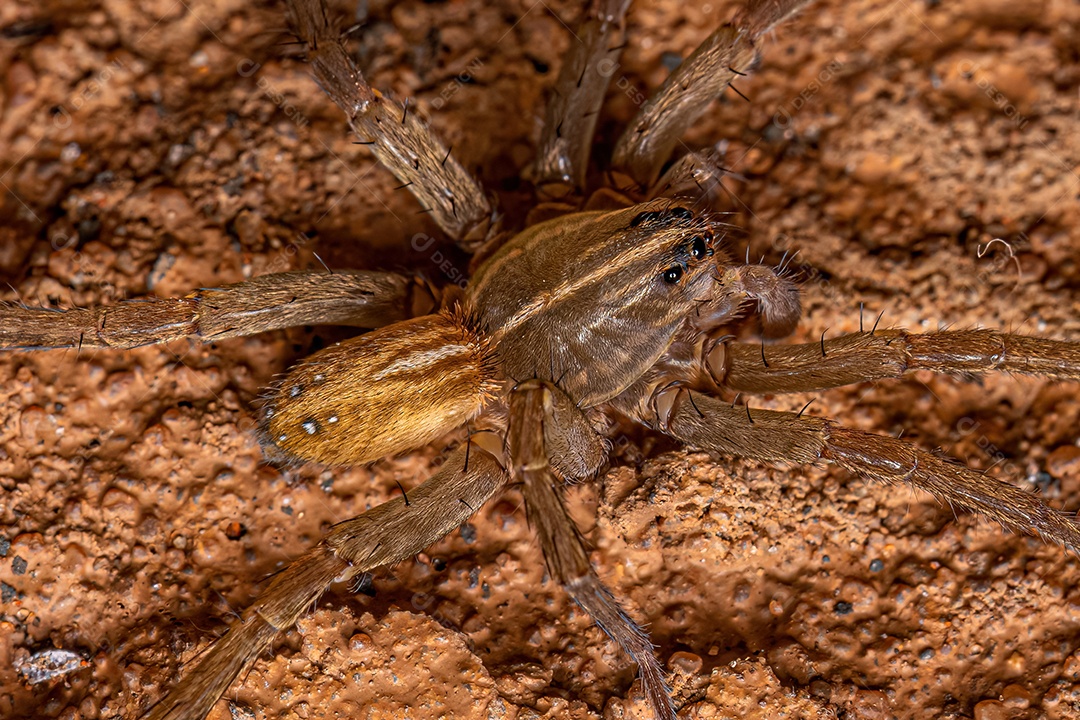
(777, 297)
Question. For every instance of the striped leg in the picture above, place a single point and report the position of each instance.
(570, 121)
(731, 51)
(400, 140)
(863, 356)
(383, 535)
(267, 302)
(536, 437)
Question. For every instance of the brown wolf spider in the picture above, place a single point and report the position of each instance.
(751, 367)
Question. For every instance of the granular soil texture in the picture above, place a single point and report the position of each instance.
(153, 148)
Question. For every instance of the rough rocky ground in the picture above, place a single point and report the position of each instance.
(151, 148)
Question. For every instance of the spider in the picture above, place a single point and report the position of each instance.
(632, 504)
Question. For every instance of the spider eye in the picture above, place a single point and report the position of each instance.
(673, 274)
(698, 247)
(649, 216)
(661, 216)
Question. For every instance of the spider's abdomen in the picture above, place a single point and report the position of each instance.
(383, 393)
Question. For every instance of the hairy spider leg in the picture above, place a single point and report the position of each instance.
(531, 422)
(400, 140)
(562, 157)
(783, 437)
(862, 356)
(267, 302)
(730, 52)
(384, 535)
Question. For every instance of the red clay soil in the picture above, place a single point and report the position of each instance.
(149, 148)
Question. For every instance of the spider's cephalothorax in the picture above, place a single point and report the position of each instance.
(592, 300)
(586, 313)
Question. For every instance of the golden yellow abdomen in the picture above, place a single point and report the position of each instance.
(386, 392)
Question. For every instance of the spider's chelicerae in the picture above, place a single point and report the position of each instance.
(132, 488)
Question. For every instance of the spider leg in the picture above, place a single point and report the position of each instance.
(572, 112)
(532, 423)
(267, 302)
(399, 139)
(386, 534)
(698, 173)
(650, 138)
(889, 353)
(771, 436)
